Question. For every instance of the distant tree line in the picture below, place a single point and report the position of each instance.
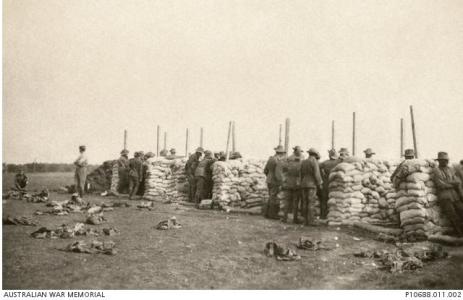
(40, 168)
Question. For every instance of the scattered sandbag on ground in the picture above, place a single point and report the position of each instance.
(171, 223)
(311, 244)
(272, 249)
(19, 221)
(106, 247)
(95, 219)
(147, 205)
(111, 231)
(64, 232)
(206, 204)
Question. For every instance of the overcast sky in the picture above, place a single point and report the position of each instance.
(80, 72)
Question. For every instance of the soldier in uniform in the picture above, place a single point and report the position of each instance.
(343, 153)
(325, 170)
(123, 171)
(135, 174)
(20, 181)
(190, 169)
(396, 176)
(311, 180)
(274, 172)
(203, 176)
(369, 153)
(172, 154)
(292, 169)
(81, 164)
(141, 188)
(449, 192)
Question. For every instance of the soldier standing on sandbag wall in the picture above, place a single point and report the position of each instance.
(203, 175)
(325, 170)
(369, 153)
(81, 164)
(397, 176)
(135, 174)
(123, 171)
(274, 172)
(310, 181)
(449, 192)
(292, 168)
(190, 168)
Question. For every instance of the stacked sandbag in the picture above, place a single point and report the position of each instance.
(252, 184)
(358, 192)
(115, 178)
(158, 182)
(417, 201)
(179, 180)
(100, 178)
(225, 175)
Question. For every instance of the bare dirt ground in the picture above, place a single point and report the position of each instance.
(213, 250)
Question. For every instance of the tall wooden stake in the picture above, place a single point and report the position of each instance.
(279, 136)
(228, 140)
(353, 134)
(125, 139)
(201, 133)
(401, 137)
(186, 143)
(415, 146)
(233, 137)
(332, 134)
(287, 124)
(165, 140)
(158, 132)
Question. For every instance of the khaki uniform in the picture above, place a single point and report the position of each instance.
(449, 196)
(274, 172)
(292, 170)
(190, 169)
(203, 175)
(325, 170)
(80, 176)
(135, 175)
(311, 179)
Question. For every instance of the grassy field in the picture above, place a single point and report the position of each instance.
(213, 250)
(39, 181)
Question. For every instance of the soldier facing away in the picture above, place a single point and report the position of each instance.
(325, 170)
(135, 174)
(292, 169)
(274, 172)
(310, 181)
(396, 176)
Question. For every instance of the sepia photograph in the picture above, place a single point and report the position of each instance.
(256, 145)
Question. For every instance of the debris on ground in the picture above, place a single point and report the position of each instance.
(169, 224)
(117, 204)
(95, 219)
(18, 221)
(148, 205)
(446, 239)
(41, 197)
(107, 247)
(272, 249)
(111, 231)
(205, 204)
(94, 209)
(311, 244)
(405, 256)
(64, 232)
(387, 238)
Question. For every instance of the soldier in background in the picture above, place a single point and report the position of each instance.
(81, 164)
(343, 153)
(235, 155)
(190, 169)
(203, 177)
(325, 170)
(135, 174)
(141, 188)
(292, 169)
(20, 182)
(369, 153)
(172, 154)
(274, 172)
(397, 176)
(123, 171)
(449, 192)
(311, 180)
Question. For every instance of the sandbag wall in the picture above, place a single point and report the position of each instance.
(417, 201)
(166, 180)
(239, 183)
(360, 190)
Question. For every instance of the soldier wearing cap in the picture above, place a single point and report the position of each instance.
(172, 154)
(399, 175)
(274, 171)
(81, 164)
(449, 192)
(123, 172)
(368, 153)
(325, 170)
(311, 180)
(343, 153)
(292, 184)
(203, 177)
(190, 169)
(235, 155)
(135, 173)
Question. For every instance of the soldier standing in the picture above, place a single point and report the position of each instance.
(190, 169)
(203, 175)
(292, 169)
(325, 170)
(397, 176)
(123, 171)
(274, 172)
(311, 180)
(81, 164)
(135, 174)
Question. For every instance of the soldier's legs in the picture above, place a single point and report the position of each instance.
(297, 197)
(288, 200)
(133, 186)
(305, 200)
(312, 194)
(324, 202)
(450, 211)
(191, 188)
(199, 189)
(272, 205)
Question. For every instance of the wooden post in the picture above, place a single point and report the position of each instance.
(186, 143)
(157, 140)
(332, 134)
(287, 124)
(125, 139)
(233, 137)
(414, 132)
(165, 140)
(401, 137)
(201, 133)
(353, 134)
(279, 137)
(228, 140)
